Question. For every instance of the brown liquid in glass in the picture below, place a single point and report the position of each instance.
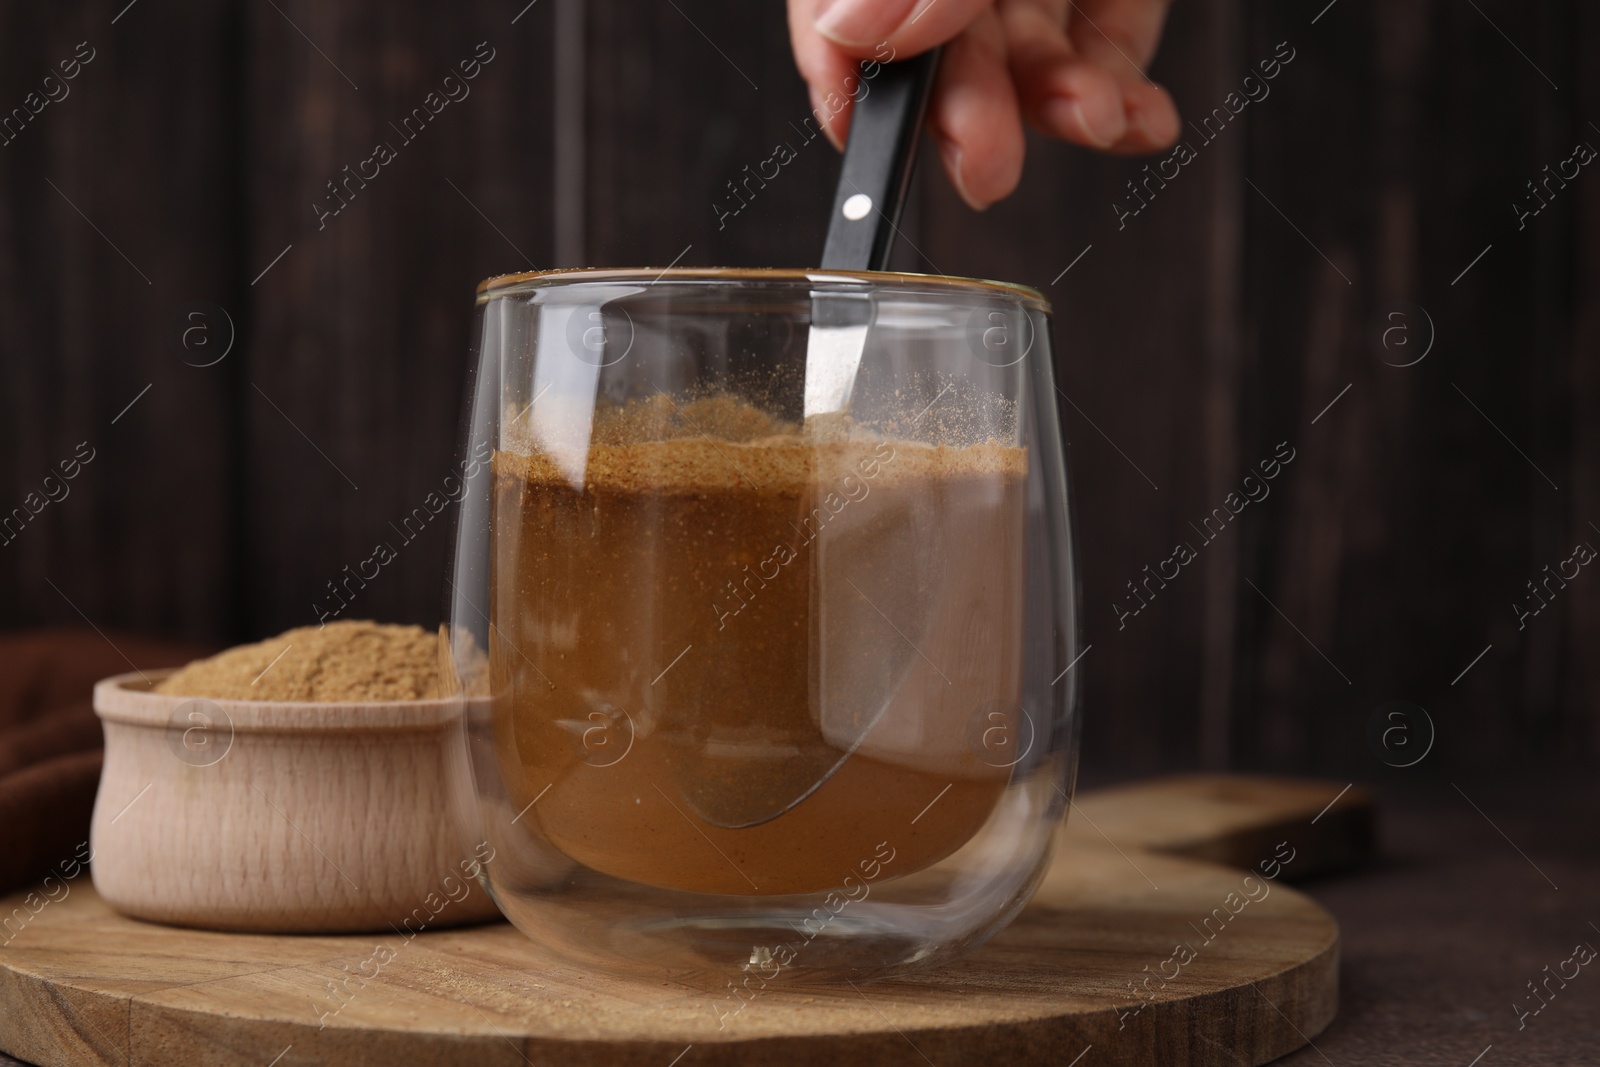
(676, 618)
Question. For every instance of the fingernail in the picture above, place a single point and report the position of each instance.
(1069, 113)
(1138, 127)
(1139, 122)
(825, 119)
(858, 22)
(950, 155)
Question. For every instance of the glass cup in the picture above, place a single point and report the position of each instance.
(761, 611)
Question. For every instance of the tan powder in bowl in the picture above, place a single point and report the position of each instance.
(347, 661)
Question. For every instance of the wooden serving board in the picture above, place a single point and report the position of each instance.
(1233, 819)
(1072, 981)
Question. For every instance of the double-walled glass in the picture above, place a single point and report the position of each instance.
(761, 610)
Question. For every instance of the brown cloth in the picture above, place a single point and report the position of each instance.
(50, 740)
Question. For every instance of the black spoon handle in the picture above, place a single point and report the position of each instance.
(878, 160)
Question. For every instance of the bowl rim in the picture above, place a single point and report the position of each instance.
(507, 284)
(126, 698)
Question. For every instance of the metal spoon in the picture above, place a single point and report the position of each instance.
(734, 785)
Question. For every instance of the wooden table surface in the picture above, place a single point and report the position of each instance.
(1442, 935)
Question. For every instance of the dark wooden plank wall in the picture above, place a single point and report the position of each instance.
(359, 333)
(1192, 337)
(1415, 523)
(115, 214)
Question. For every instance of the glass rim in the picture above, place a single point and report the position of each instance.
(523, 281)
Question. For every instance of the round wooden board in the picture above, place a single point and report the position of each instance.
(80, 984)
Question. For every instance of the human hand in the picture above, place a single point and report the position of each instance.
(1073, 69)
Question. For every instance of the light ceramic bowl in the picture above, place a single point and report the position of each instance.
(278, 816)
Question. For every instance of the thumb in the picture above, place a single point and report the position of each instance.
(829, 65)
(860, 27)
